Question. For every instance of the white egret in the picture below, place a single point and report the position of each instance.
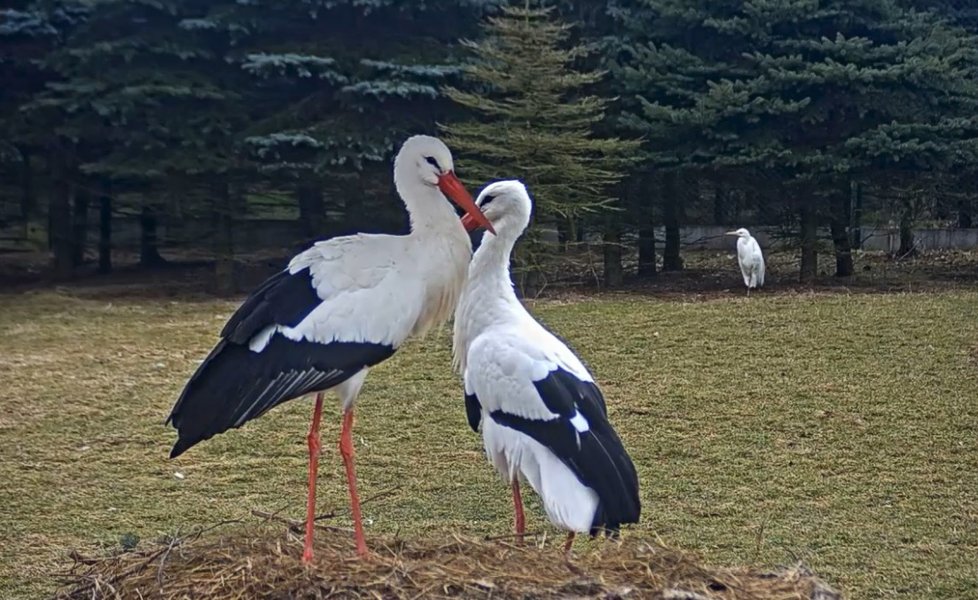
(750, 258)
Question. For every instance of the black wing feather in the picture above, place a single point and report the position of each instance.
(563, 393)
(473, 411)
(283, 299)
(234, 384)
(597, 456)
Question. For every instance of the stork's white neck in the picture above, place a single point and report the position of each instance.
(429, 210)
(439, 246)
(490, 264)
(488, 297)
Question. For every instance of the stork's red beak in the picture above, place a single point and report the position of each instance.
(456, 192)
(469, 223)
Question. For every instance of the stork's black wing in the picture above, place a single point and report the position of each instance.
(241, 380)
(596, 455)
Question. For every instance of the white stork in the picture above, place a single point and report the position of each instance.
(750, 259)
(340, 307)
(542, 415)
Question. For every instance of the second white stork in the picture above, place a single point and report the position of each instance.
(749, 258)
(542, 415)
(340, 308)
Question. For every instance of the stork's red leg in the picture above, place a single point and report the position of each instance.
(314, 447)
(518, 509)
(568, 544)
(346, 449)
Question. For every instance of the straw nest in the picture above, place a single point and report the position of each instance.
(263, 561)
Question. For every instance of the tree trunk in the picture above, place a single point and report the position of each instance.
(719, 204)
(527, 278)
(312, 209)
(80, 227)
(671, 259)
(224, 239)
(809, 243)
(105, 232)
(641, 209)
(857, 215)
(569, 232)
(149, 254)
(563, 235)
(352, 208)
(59, 219)
(907, 247)
(839, 227)
(613, 271)
(964, 213)
(28, 202)
(646, 250)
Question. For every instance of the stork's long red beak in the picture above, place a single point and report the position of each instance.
(456, 192)
(469, 223)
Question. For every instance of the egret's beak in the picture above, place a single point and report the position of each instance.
(731, 233)
(449, 185)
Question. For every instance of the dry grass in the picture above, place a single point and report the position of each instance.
(839, 431)
(249, 563)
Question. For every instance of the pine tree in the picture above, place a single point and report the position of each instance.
(147, 100)
(813, 94)
(186, 107)
(29, 31)
(342, 83)
(533, 120)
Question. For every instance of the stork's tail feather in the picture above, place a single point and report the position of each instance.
(211, 401)
(180, 447)
(613, 478)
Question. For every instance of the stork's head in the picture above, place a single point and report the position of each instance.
(741, 233)
(431, 160)
(507, 205)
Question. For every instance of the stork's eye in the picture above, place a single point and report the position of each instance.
(487, 200)
(431, 161)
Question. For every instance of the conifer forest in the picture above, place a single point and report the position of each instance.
(740, 338)
(154, 130)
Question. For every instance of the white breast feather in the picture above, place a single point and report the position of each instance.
(365, 297)
(377, 288)
(445, 283)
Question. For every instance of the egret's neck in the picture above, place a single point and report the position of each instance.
(488, 297)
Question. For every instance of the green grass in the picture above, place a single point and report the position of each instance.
(838, 430)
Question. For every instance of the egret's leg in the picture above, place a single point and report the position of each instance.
(568, 544)
(314, 447)
(346, 449)
(518, 509)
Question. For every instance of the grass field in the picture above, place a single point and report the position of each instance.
(837, 430)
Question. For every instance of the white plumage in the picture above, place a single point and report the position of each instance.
(504, 362)
(339, 308)
(378, 288)
(568, 504)
(542, 416)
(750, 259)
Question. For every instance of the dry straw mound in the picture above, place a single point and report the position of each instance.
(263, 562)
